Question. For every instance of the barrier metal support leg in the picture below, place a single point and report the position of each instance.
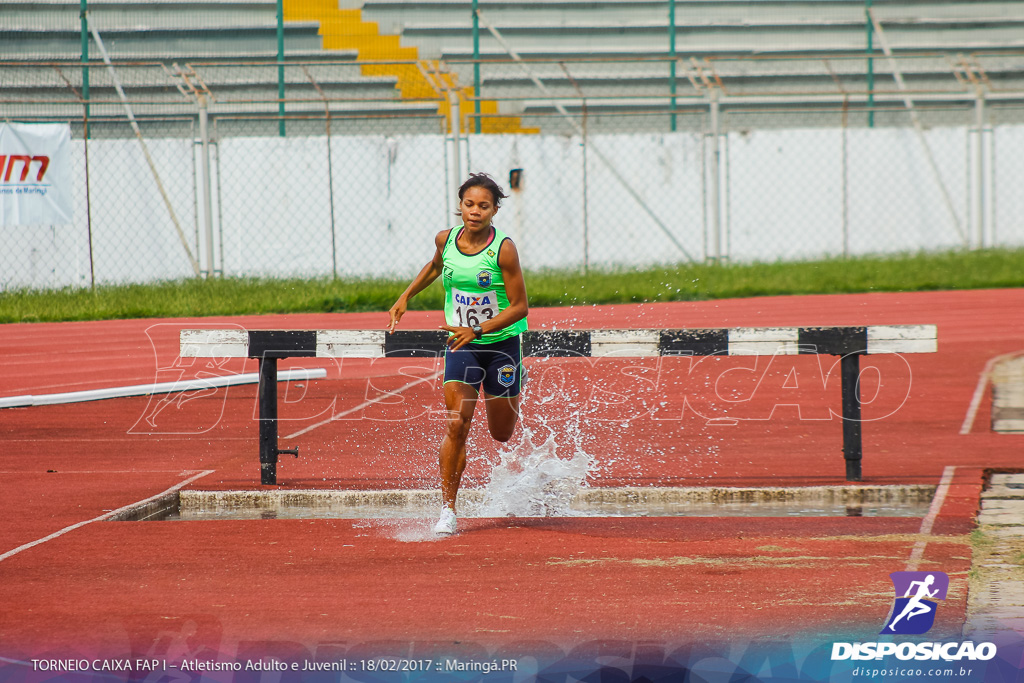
(850, 373)
(268, 422)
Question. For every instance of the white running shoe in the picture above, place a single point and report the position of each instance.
(446, 525)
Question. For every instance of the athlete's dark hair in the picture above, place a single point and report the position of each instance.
(485, 181)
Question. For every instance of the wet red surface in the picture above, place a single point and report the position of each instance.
(139, 587)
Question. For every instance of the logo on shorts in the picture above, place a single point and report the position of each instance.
(507, 375)
(483, 278)
(913, 611)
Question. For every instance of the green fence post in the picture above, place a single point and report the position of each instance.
(280, 67)
(85, 60)
(476, 67)
(672, 64)
(871, 64)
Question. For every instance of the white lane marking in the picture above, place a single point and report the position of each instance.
(104, 516)
(14, 661)
(174, 471)
(979, 391)
(180, 386)
(929, 519)
(338, 416)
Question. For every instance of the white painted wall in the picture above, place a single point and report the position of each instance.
(622, 201)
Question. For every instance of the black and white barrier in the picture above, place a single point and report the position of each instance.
(847, 342)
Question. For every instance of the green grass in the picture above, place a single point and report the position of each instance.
(237, 296)
(981, 541)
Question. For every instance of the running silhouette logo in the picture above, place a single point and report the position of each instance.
(917, 593)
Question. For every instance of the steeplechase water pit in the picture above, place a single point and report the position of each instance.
(816, 501)
(538, 486)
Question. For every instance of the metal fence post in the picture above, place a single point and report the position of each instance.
(476, 67)
(85, 61)
(204, 135)
(716, 177)
(672, 64)
(280, 67)
(869, 28)
(455, 125)
(586, 213)
(84, 19)
(978, 193)
(88, 208)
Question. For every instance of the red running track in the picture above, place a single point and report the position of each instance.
(220, 586)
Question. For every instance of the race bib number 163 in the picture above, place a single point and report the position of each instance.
(470, 309)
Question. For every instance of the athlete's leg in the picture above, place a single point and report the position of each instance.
(918, 610)
(502, 415)
(501, 386)
(892, 624)
(460, 401)
(910, 611)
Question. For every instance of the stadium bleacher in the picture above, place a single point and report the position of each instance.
(602, 57)
(165, 51)
(617, 52)
(162, 29)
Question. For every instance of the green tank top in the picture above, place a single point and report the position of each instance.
(474, 290)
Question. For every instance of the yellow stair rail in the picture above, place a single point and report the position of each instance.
(344, 29)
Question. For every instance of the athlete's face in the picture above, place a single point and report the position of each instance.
(477, 207)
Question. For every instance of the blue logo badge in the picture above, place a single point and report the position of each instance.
(917, 593)
(483, 278)
(507, 375)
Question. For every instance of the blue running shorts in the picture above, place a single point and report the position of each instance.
(498, 366)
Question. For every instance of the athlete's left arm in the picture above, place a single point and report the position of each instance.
(515, 290)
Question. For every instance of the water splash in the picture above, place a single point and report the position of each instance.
(403, 529)
(413, 530)
(545, 466)
(538, 475)
(534, 479)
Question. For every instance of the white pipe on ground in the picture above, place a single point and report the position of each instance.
(158, 388)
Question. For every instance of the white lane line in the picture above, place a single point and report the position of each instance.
(180, 386)
(979, 391)
(340, 415)
(104, 516)
(18, 662)
(929, 519)
(35, 472)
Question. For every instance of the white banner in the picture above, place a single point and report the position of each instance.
(35, 174)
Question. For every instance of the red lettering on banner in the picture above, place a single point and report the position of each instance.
(44, 163)
(10, 161)
(10, 166)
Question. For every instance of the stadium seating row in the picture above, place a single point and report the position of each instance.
(602, 56)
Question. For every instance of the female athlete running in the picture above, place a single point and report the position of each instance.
(485, 313)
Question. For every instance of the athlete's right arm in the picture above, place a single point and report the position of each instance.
(428, 274)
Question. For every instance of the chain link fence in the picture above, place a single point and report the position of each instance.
(600, 174)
